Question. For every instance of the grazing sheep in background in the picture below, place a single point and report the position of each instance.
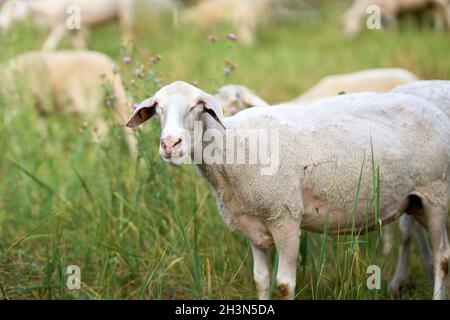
(76, 81)
(243, 14)
(239, 97)
(438, 93)
(373, 80)
(57, 13)
(234, 98)
(12, 11)
(320, 152)
(355, 17)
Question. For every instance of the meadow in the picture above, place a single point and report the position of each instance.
(145, 230)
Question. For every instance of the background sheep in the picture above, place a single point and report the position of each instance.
(243, 14)
(76, 81)
(373, 80)
(12, 11)
(56, 14)
(235, 98)
(315, 182)
(353, 20)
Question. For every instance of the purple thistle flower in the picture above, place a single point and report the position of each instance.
(126, 59)
(232, 36)
(227, 70)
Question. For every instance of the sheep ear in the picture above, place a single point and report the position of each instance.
(143, 112)
(251, 100)
(212, 107)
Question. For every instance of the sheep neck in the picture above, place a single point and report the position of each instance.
(211, 172)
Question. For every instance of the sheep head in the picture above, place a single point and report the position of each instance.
(179, 106)
(234, 98)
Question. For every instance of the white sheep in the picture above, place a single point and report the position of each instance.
(438, 93)
(354, 19)
(76, 81)
(313, 178)
(435, 91)
(12, 11)
(234, 98)
(371, 80)
(243, 14)
(64, 16)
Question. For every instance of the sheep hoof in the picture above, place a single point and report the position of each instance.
(285, 291)
(394, 290)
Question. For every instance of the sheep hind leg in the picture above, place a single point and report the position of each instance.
(286, 237)
(435, 218)
(388, 238)
(401, 272)
(425, 250)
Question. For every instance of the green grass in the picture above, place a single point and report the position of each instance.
(145, 230)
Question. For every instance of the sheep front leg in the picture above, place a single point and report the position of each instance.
(262, 242)
(78, 39)
(286, 237)
(55, 36)
(441, 15)
(125, 16)
(261, 271)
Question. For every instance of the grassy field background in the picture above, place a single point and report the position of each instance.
(145, 230)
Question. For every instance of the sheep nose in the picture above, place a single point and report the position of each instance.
(168, 143)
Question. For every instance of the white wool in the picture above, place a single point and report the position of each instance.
(325, 149)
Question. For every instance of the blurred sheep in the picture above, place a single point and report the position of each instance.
(61, 15)
(78, 82)
(243, 14)
(374, 80)
(235, 98)
(12, 11)
(354, 19)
